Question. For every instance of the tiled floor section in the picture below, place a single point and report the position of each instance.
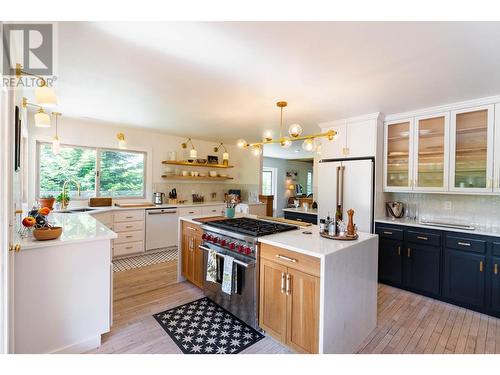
(124, 264)
(410, 323)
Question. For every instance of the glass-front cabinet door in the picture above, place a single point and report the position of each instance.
(496, 150)
(431, 152)
(398, 147)
(471, 154)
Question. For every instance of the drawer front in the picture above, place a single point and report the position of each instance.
(429, 239)
(216, 210)
(129, 226)
(306, 218)
(466, 244)
(292, 259)
(105, 218)
(128, 248)
(187, 211)
(124, 237)
(135, 215)
(190, 228)
(389, 233)
(496, 248)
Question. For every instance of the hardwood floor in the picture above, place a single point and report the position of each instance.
(407, 322)
(410, 323)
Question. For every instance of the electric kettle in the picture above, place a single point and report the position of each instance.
(395, 209)
(158, 198)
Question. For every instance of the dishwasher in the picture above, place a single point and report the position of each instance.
(161, 227)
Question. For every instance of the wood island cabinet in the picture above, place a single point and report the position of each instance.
(289, 297)
(192, 255)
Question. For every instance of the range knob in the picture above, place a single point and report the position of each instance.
(215, 240)
(240, 248)
(232, 246)
(223, 242)
(248, 250)
(204, 236)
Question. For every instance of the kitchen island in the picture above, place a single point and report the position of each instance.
(309, 215)
(63, 288)
(316, 295)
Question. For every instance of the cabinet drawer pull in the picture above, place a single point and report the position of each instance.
(288, 290)
(129, 247)
(495, 269)
(422, 238)
(409, 252)
(129, 217)
(481, 266)
(463, 243)
(282, 282)
(286, 258)
(191, 228)
(191, 212)
(399, 250)
(129, 236)
(387, 232)
(129, 226)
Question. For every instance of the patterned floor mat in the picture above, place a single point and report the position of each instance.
(143, 260)
(204, 327)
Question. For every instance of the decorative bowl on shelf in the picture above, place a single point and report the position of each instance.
(47, 233)
(213, 173)
(201, 161)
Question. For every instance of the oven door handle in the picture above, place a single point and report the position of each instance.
(239, 262)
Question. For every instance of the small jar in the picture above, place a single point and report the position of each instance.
(322, 226)
(331, 228)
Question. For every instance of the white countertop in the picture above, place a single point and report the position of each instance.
(302, 210)
(480, 230)
(78, 227)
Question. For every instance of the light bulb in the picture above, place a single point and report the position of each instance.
(241, 143)
(268, 135)
(308, 145)
(295, 130)
(42, 120)
(285, 142)
(56, 145)
(193, 154)
(45, 96)
(256, 150)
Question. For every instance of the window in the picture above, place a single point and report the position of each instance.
(267, 183)
(309, 183)
(100, 172)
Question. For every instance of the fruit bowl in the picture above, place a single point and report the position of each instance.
(47, 233)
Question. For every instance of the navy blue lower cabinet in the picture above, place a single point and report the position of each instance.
(422, 268)
(307, 218)
(495, 284)
(389, 261)
(464, 277)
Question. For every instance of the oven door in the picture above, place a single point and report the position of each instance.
(243, 301)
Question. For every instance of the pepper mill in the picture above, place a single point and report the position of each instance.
(350, 223)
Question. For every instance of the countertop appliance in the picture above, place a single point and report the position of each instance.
(239, 239)
(161, 227)
(158, 198)
(395, 209)
(348, 183)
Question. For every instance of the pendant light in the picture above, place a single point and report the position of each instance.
(56, 144)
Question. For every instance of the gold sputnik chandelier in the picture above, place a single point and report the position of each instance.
(294, 135)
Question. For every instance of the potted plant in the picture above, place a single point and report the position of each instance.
(47, 200)
(63, 199)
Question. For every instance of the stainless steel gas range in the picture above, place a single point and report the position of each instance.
(237, 238)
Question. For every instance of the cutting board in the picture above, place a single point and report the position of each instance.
(135, 205)
(285, 221)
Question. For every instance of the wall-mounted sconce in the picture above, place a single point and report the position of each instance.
(225, 154)
(56, 143)
(122, 141)
(193, 154)
(45, 96)
(291, 186)
(42, 119)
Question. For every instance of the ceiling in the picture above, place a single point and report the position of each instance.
(221, 80)
(294, 152)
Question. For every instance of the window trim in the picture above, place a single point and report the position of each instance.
(310, 172)
(98, 151)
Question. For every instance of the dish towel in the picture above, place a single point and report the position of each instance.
(212, 266)
(227, 277)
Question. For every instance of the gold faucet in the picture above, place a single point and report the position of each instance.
(64, 203)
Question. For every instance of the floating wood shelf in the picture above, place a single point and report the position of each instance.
(193, 164)
(206, 178)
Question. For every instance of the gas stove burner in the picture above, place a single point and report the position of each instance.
(251, 227)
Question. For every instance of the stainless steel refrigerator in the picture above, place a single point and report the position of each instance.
(350, 183)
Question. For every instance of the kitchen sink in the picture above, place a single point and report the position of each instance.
(75, 210)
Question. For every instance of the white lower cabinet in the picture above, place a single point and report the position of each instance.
(215, 210)
(188, 211)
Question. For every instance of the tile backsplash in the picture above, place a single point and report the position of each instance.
(477, 210)
(185, 190)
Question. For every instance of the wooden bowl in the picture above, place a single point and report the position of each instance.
(45, 234)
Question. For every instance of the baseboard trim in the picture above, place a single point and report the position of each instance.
(80, 347)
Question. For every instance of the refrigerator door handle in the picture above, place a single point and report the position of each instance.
(341, 188)
(338, 186)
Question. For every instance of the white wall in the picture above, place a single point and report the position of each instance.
(282, 191)
(156, 144)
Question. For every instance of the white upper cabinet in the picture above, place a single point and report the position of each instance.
(471, 154)
(496, 150)
(431, 155)
(398, 155)
(356, 137)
